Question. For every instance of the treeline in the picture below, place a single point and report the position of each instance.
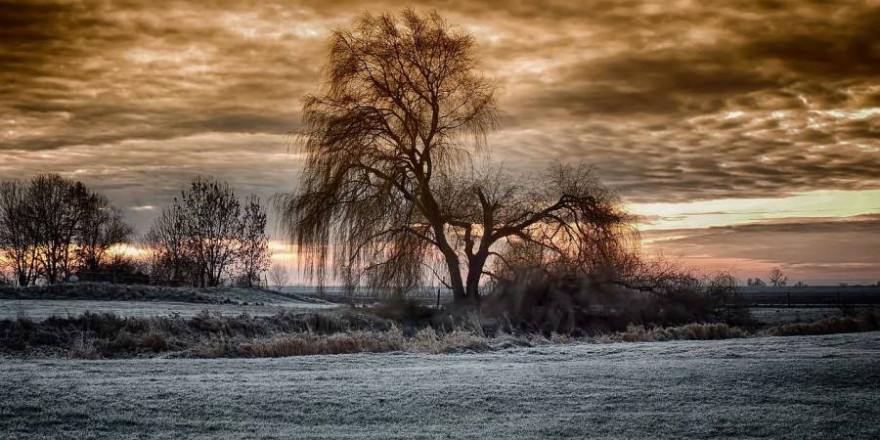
(54, 230)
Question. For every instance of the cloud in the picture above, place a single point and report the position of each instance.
(695, 101)
(671, 101)
(813, 248)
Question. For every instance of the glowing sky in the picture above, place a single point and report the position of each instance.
(746, 133)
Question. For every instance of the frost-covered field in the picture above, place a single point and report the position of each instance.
(39, 309)
(797, 387)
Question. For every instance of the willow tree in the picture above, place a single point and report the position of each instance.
(388, 193)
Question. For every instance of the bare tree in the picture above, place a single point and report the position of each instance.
(17, 243)
(103, 227)
(56, 210)
(386, 194)
(168, 239)
(777, 278)
(254, 257)
(205, 234)
(213, 226)
(279, 275)
(51, 226)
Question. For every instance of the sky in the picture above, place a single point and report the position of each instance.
(746, 134)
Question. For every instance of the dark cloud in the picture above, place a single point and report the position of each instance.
(672, 101)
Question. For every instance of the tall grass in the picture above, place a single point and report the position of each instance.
(95, 336)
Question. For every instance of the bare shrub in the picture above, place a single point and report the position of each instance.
(84, 347)
(155, 342)
(694, 331)
(606, 302)
(309, 343)
(846, 324)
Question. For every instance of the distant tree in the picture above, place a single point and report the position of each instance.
(56, 211)
(758, 282)
(387, 195)
(103, 227)
(777, 278)
(18, 243)
(254, 257)
(204, 235)
(51, 226)
(279, 275)
(800, 284)
(213, 228)
(172, 260)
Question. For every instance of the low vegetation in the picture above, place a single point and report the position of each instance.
(94, 336)
(584, 305)
(839, 324)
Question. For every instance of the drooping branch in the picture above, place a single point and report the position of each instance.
(389, 186)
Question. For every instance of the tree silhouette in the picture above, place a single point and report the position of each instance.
(168, 239)
(389, 192)
(213, 228)
(279, 276)
(102, 227)
(253, 257)
(51, 226)
(205, 234)
(777, 278)
(16, 240)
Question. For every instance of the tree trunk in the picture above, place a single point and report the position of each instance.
(459, 294)
(466, 292)
(475, 272)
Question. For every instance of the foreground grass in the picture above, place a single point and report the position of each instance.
(814, 387)
(105, 335)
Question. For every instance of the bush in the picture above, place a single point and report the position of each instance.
(583, 305)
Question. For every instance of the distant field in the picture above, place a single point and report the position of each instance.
(41, 309)
(783, 388)
(813, 295)
(41, 302)
(810, 296)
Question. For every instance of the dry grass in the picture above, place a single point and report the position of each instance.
(95, 336)
(696, 331)
(846, 324)
(84, 347)
(426, 340)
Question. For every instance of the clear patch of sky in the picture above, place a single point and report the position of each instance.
(726, 212)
